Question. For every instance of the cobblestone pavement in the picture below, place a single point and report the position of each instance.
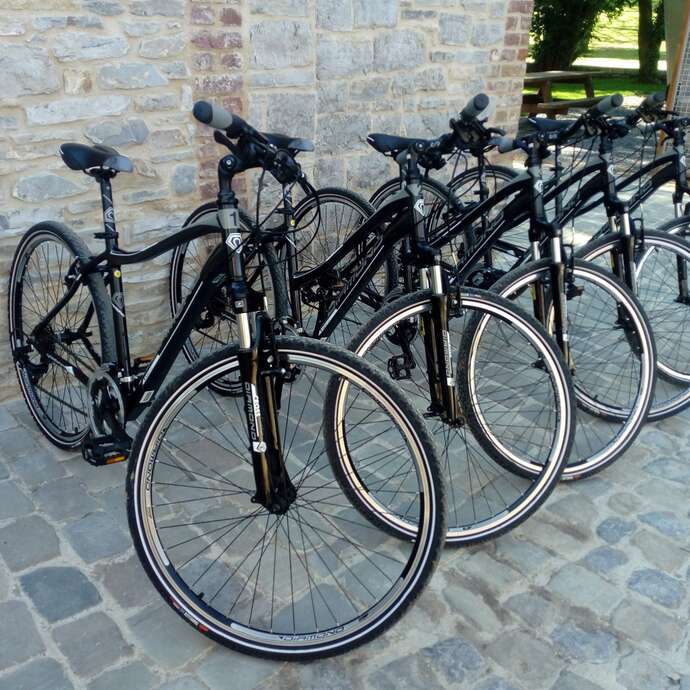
(592, 592)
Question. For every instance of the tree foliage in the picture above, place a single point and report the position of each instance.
(562, 29)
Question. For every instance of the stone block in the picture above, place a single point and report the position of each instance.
(455, 29)
(399, 49)
(21, 640)
(165, 637)
(280, 43)
(336, 57)
(135, 676)
(13, 502)
(334, 15)
(70, 46)
(657, 586)
(71, 109)
(369, 14)
(96, 536)
(25, 71)
(64, 498)
(91, 643)
(584, 644)
(39, 674)
(160, 8)
(162, 46)
(59, 592)
(130, 75)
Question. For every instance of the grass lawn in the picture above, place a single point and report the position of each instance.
(613, 46)
(617, 38)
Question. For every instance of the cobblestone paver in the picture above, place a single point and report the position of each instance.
(592, 592)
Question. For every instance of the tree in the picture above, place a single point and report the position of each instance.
(649, 37)
(562, 29)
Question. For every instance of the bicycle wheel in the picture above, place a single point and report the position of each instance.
(320, 578)
(657, 268)
(613, 357)
(464, 185)
(498, 261)
(512, 379)
(323, 221)
(54, 363)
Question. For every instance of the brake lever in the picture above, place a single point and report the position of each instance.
(223, 139)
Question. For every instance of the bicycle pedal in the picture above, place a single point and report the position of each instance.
(104, 450)
(144, 360)
(573, 290)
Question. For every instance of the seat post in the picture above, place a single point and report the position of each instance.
(110, 233)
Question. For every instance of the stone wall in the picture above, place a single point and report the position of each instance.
(126, 72)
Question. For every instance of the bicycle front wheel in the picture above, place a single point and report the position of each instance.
(661, 277)
(514, 391)
(321, 577)
(613, 357)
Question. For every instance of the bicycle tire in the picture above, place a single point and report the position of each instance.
(107, 350)
(160, 565)
(473, 524)
(672, 391)
(586, 460)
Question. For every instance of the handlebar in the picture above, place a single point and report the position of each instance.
(605, 105)
(475, 107)
(219, 118)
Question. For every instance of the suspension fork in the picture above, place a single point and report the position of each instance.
(273, 487)
(557, 272)
(626, 272)
(437, 347)
(259, 371)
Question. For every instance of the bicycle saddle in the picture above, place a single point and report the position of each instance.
(283, 141)
(387, 143)
(545, 124)
(82, 157)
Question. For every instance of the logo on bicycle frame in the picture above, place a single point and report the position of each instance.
(419, 207)
(234, 241)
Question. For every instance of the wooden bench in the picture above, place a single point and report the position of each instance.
(561, 107)
(543, 101)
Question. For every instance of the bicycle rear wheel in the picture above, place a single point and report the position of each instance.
(54, 363)
(320, 578)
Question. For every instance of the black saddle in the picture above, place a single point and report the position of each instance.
(387, 143)
(545, 124)
(86, 158)
(286, 143)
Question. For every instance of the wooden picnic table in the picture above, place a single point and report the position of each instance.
(544, 102)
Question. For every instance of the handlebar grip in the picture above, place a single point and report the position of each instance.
(606, 104)
(476, 106)
(505, 144)
(654, 100)
(219, 118)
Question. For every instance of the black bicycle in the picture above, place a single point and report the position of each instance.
(234, 504)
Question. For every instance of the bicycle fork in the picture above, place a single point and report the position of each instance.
(274, 490)
(437, 346)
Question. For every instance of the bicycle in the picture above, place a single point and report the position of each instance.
(343, 283)
(646, 261)
(207, 474)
